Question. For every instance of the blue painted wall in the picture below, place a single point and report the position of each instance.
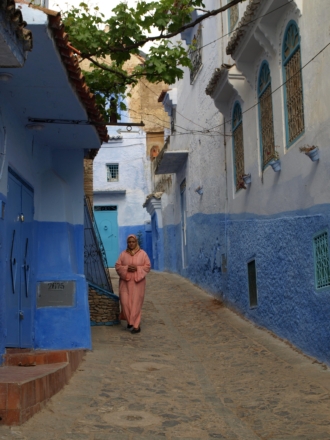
(282, 246)
(61, 257)
(125, 231)
(2, 278)
(157, 244)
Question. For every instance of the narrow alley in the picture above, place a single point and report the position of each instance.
(196, 371)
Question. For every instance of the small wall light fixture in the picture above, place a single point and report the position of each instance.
(36, 127)
(5, 76)
(199, 190)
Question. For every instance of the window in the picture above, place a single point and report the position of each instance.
(293, 90)
(238, 147)
(112, 172)
(195, 54)
(321, 260)
(232, 17)
(252, 278)
(173, 120)
(105, 208)
(266, 115)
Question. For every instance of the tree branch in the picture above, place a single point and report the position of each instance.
(178, 31)
(108, 69)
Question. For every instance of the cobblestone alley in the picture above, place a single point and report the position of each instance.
(196, 371)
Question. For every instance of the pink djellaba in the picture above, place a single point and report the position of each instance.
(132, 284)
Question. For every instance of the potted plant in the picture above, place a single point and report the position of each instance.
(247, 178)
(275, 162)
(312, 151)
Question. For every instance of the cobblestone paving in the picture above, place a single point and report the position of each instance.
(196, 371)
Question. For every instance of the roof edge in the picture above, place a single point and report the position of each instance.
(70, 61)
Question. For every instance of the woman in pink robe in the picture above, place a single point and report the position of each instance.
(132, 267)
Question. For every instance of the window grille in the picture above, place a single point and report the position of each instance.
(112, 172)
(233, 17)
(252, 278)
(293, 83)
(105, 208)
(237, 127)
(321, 260)
(195, 54)
(266, 115)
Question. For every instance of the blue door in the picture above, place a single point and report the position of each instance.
(19, 221)
(107, 223)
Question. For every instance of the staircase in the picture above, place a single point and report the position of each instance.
(28, 379)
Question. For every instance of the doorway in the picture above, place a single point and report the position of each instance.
(106, 218)
(19, 259)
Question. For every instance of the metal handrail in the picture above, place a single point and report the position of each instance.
(96, 265)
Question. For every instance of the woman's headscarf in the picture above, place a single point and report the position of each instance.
(137, 247)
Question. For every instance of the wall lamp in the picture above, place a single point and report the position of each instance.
(199, 190)
(5, 76)
(36, 127)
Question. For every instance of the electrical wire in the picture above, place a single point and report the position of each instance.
(122, 146)
(205, 130)
(195, 123)
(211, 131)
(280, 86)
(251, 21)
(214, 41)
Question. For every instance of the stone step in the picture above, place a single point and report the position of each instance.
(24, 390)
(31, 358)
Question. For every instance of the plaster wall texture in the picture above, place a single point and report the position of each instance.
(88, 179)
(134, 178)
(56, 177)
(155, 139)
(275, 219)
(307, 181)
(134, 172)
(42, 89)
(132, 154)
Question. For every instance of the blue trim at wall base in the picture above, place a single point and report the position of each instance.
(104, 292)
(98, 324)
(60, 256)
(282, 245)
(125, 231)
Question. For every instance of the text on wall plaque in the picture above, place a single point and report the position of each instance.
(56, 294)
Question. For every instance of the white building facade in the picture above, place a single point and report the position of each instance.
(121, 181)
(246, 216)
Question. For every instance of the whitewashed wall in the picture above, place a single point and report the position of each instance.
(274, 221)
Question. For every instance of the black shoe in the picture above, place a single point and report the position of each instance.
(136, 330)
(129, 326)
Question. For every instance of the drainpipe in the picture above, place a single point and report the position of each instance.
(224, 284)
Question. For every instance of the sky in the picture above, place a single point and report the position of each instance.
(105, 5)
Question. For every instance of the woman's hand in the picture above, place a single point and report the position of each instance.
(132, 268)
